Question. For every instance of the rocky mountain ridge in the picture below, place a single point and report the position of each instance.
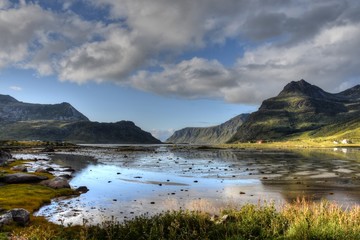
(62, 122)
(209, 135)
(298, 108)
(12, 110)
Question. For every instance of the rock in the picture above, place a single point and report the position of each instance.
(82, 189)
(56, 183)
(48, 149)
(20, 216)
(41, 170)
(19, 168)
(4, 156)
(6, 219)
(49, 169)
(66, 176)
(22, 178)
(69, 169)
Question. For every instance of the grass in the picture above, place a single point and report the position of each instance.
(299, 220)
(29, 196)
(290, 144)
(6, 144)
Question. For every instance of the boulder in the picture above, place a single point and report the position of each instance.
(82, 189)
(4, 156)
(22, 178)
(48, 149)
(66, 176)
(69, 169)
(41, 170)
(56, 183)
(17, 215)
(6, 219)
(49, 169)
(19, 168)
(20, 216)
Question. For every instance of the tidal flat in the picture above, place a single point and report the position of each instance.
(129, 181)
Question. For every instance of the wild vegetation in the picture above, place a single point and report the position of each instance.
(299, 220)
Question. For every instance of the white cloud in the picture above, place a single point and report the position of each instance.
(283, 40)
(16, 88)
(195, 78)
(4, 4)
(327, 59)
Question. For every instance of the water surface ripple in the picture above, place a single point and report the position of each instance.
(126, 182)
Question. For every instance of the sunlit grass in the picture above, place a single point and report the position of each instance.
(299, 220)
(29, 196)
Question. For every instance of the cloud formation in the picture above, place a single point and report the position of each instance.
(139, 43)
(16, 88)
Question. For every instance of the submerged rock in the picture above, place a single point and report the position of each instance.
(82, 189)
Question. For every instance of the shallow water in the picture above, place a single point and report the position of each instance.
(129, 182)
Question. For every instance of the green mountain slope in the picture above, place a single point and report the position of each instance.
(209, 135)
(62, 122)
(302, 108)
(76, 132)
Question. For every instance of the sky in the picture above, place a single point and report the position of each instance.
(170, 64)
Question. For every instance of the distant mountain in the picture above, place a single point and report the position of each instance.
(76, 132)
(12, 110)
(209, 135)
(301, 107)
(62, 122)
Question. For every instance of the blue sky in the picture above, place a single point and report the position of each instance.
(170, 64)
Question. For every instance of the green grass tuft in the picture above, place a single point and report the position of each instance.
(29, 196)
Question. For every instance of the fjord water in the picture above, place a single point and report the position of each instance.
(124, 183)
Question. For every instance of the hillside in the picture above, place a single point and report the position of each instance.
(13, 110)
(301, 107)
(209, 135)
(76, 132)
(62, 122)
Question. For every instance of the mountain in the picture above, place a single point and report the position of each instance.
(62, 122)
(300, 107)
(12, 110)
(76, 132)
(208, 135)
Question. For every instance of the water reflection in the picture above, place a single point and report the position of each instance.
(125, 183)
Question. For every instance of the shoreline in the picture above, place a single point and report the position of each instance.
(177, 214)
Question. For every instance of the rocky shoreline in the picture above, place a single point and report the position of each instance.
(36, 171)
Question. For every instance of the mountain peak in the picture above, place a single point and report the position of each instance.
(302, 88)
(13, 110)
(7, 99)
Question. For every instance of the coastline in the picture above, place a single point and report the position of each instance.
(125, 149)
